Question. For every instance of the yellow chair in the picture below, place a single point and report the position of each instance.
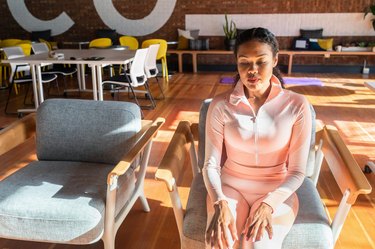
(129, 41)
(100, 43)
(162, 53)
(10, 42)
(26, 48)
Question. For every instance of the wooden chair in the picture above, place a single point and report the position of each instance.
(312, 228)
(86, 178)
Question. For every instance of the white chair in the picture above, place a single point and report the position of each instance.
(151, 69)
(17, 52)
(59, 69)
(135, 78)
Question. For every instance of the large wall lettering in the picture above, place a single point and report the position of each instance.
(30, 23)
(107, 12)
(147, 25)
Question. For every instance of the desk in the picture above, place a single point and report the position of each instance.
(289, 53)
(37, 60)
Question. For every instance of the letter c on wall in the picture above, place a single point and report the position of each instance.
(30, 23)
(147, 25)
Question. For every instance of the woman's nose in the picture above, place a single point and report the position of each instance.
(252, 69)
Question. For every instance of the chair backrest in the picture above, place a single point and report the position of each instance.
(86, 130)
(310, 167)
(162, 49)
(10, 42)
(26, 48)
(129, 41)
(100, 43)
(39, 48)
(151, 69)
(137, 68)
(12, 53)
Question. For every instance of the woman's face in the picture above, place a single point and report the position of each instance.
(255, 63)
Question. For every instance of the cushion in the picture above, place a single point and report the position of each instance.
(86, 130)
(311, 33)
(107, 33)
(184, 36)
(57, 201)
(311, 229)
(43, 34)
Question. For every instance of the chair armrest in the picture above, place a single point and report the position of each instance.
(343, 166)
(17, 133)
(148, 132)
(170, 167)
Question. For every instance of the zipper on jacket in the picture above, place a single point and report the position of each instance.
(255, 139)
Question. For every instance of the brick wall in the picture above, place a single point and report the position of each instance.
(87, 20)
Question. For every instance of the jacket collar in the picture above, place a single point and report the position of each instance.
(238, 93)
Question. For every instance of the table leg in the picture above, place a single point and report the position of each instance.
(79, 77)
(94, 76)
(194, 57)
(83, 80)
(179, 63)
(35, 85)
(99, 82)
(40, 83)
(290, 63)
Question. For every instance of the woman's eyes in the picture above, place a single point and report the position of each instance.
(259, 63)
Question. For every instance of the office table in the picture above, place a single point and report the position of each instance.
(95, 58)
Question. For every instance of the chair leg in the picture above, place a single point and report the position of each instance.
(144, 202)
(161, 89)
(136, 100)
(10, 92)
(109, 243)
(153, 104)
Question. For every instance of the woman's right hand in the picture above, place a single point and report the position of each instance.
(222, 229)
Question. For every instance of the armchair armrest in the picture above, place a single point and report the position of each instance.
(148, 132)
(170, 168)
(343, 166)
(16, 133)
(345, 170)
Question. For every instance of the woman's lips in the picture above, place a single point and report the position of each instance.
(252, 80)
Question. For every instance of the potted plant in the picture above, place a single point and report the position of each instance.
(230, 32)
(370, 9)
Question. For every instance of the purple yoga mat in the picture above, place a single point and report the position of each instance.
(227, 80)
(303, 81)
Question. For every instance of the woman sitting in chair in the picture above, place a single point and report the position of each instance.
(266, 131)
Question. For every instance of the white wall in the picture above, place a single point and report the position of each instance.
(333, 24)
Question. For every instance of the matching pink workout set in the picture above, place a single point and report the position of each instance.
(266, 156)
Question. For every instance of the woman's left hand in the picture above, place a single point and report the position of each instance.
(259, 222)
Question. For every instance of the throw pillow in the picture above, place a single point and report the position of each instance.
(311, 33)
(184, 36)
(321, 44)
(326, 44)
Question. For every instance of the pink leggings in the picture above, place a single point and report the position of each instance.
(244, 196)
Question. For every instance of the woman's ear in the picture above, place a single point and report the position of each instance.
(275, 59)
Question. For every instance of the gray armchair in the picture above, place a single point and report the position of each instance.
(84, 182)
(312, 228)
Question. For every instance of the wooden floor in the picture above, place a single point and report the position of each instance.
(343, 101)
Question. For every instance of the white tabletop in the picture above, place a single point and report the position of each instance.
(77, 56)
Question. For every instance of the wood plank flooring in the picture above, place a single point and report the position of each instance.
(343, 101)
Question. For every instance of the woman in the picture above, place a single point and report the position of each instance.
(266, 133)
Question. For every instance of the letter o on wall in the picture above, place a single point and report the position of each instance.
(147, 25)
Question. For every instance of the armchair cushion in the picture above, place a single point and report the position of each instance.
(57, 201)
(87, 127)
(311, 217)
